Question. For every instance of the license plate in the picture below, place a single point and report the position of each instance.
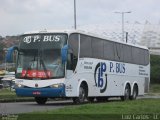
(36, 93)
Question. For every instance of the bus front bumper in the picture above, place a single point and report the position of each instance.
(41, 92)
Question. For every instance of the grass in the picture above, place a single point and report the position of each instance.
(154, 89)
(6, 95)
(99, 111)
(112, 110)
(113, 107)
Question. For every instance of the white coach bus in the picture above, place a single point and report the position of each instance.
(79, 65)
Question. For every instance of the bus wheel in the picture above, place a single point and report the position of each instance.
(135, 93)
(82, 96)
(126, 93)
(41, 100)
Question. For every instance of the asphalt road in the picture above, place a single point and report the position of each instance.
(25, 107)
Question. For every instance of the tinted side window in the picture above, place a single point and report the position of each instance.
(108, 50)
(73, 43)
(118, 50)
(146, 57)
(85, 46)
(138, 56)
(128, 54)
(141, 57)
(97, 48)
(135, 55)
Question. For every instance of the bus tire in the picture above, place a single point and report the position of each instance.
(41, 100)
(82, 96)
(135, 93)
(126, 93)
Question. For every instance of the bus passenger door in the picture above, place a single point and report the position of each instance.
(71, 65)
(71, 77)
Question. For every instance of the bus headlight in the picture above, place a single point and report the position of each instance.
(56, 85)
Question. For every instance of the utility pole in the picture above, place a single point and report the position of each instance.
(122, 13)
(75, 20)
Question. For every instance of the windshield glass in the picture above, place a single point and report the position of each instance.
(40, 56)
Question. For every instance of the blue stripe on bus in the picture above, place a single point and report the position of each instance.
(41, 92)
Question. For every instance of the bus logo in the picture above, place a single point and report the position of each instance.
(27, 39)
(100, 76)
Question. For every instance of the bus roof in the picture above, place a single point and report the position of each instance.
(82, 32)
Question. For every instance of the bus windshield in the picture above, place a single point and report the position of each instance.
(39, 56)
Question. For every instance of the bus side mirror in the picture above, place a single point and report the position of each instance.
(9, 55)
(64, 53)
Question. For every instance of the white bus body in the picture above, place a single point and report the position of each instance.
(95, 68)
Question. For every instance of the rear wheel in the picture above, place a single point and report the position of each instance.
(82, 95)
(126, 93)
(41, 100)
(135, 93)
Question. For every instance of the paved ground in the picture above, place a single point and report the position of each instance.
(25, 107)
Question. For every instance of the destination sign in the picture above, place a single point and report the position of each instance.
(43, 41)
(45, 38)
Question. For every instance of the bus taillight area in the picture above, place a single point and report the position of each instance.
(55, 90)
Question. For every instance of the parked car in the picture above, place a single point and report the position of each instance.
(9, 80)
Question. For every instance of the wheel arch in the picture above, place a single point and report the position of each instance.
(125, 84)
(84, 83)
(135, 84)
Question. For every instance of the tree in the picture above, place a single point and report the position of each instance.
(155, 68)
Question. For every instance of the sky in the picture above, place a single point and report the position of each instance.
(19, 16)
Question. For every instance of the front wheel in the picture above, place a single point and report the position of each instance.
(81, 97)
(41, 100)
